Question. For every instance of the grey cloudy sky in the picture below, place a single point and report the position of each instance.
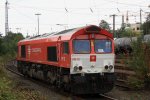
(70, 13)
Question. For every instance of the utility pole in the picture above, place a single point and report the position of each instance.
(127, 19)
(123, 21)
(38, 22)
(18, 29)
(6, 18)
(141, 20)
(113, 23)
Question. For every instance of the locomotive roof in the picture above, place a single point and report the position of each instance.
(46, 35)
(67, 34)
(64, 31)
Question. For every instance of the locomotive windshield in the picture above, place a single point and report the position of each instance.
(103, 46)
(81, 46)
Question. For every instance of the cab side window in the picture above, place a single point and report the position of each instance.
(65, 48)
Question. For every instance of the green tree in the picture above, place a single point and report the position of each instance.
(1, 46)
(9, 43)
(146, 25)
(127, 32)
(103, 24)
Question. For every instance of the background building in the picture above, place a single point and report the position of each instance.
(135, 27)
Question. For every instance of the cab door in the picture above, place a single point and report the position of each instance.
(65, 61)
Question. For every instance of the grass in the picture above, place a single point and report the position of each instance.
(10, 89)
(5, 85)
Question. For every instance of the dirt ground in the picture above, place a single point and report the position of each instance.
(43, 91)
(117, 93)
(122, 94)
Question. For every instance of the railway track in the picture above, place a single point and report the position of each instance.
(122, 84)
(123, 71)
(13, 69)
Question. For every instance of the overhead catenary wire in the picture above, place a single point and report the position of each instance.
(92, 10)
(54, 9)
(25, 15)
(128, 4)
(75, 13)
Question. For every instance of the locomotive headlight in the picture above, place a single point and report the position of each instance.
(75, 68)
(80, 68)
(106, 67)
(111, 67)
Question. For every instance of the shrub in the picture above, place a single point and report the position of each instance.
(140, 64)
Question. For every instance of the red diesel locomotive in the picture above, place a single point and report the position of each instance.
(80, 60)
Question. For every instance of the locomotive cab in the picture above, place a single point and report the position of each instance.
(92, 62)
(92, 56)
